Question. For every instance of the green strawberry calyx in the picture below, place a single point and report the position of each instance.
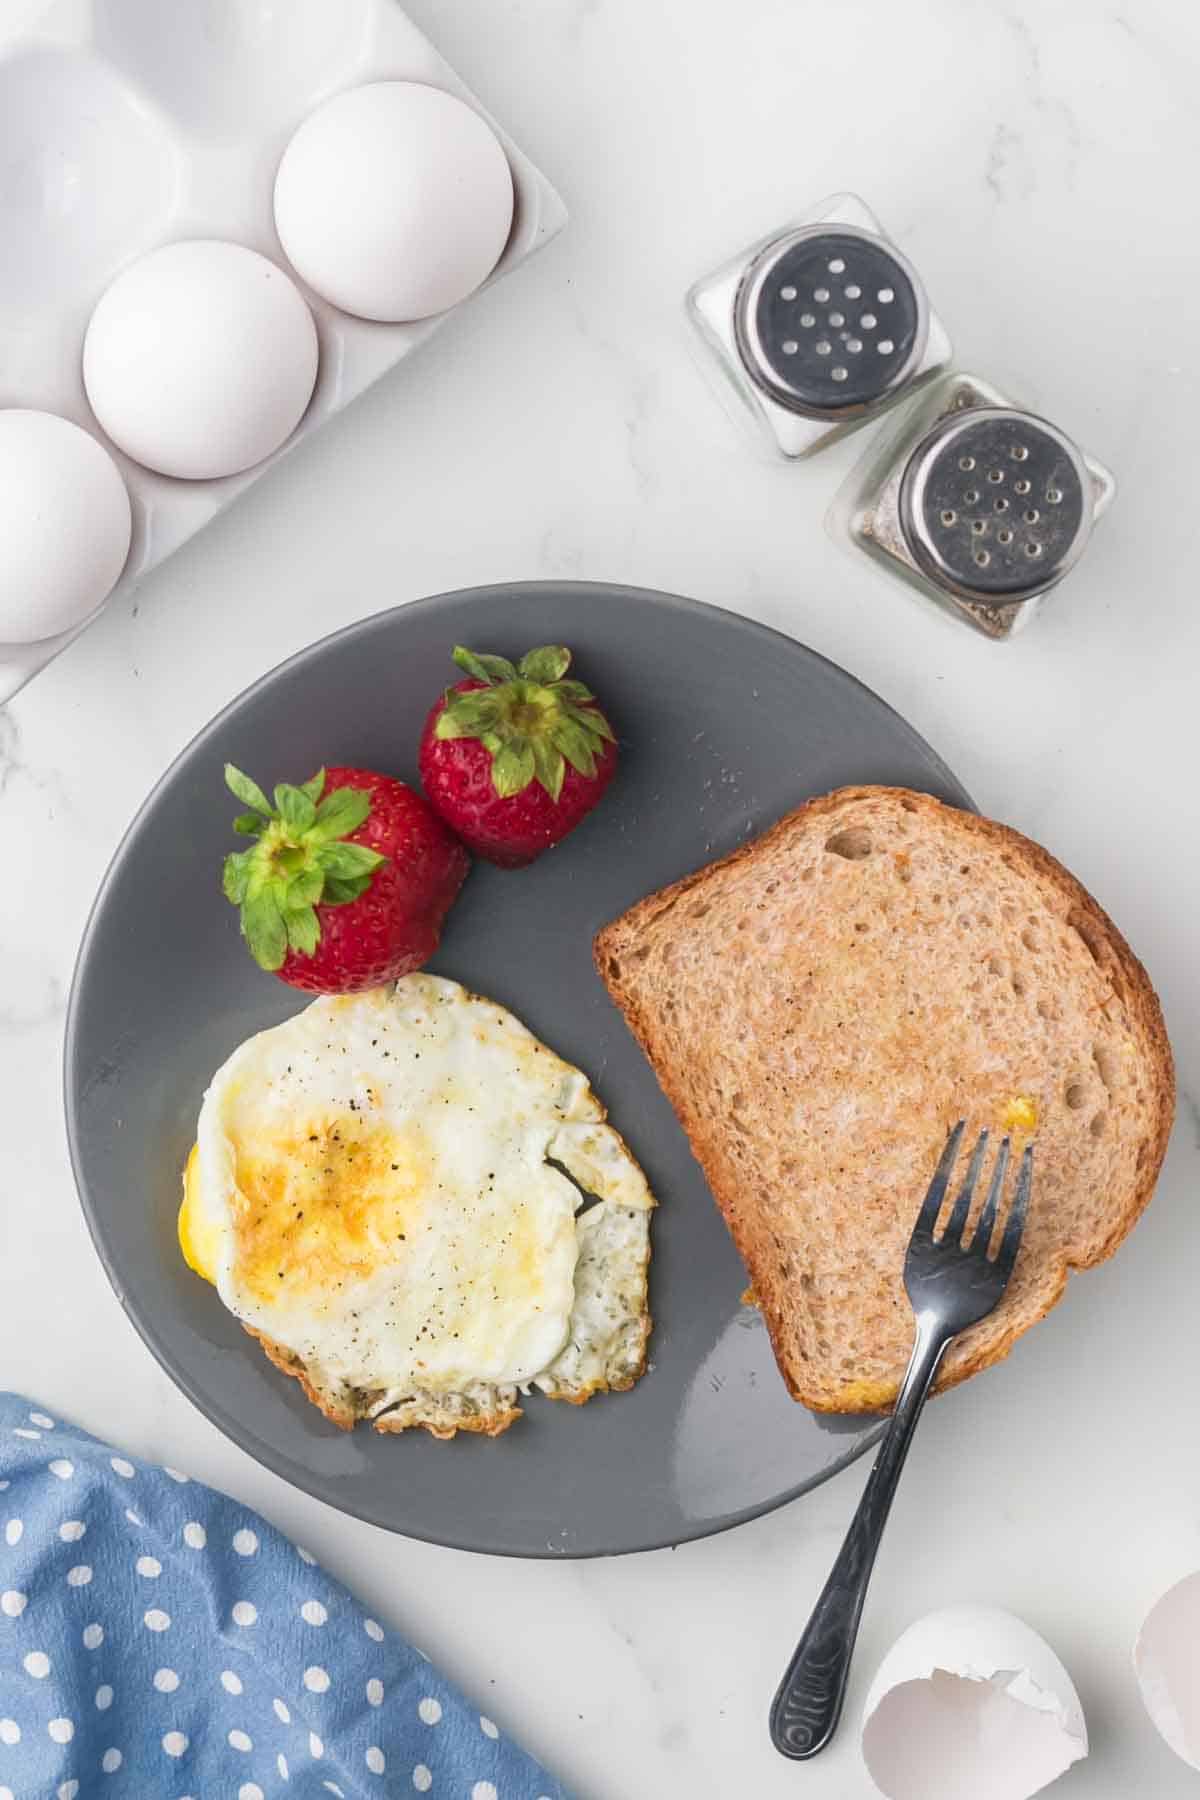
(300, 860)
(528, 716)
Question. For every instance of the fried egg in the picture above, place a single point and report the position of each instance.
(420, 1210)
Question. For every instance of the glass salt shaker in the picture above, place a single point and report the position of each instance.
(980, 505)
(820, 326)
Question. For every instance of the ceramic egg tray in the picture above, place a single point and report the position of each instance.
(125, 124)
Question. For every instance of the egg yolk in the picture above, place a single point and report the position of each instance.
(199, 1240)
(320, 1208)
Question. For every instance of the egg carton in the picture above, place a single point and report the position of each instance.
(125, 124)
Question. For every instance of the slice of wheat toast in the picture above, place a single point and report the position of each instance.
(822, 1005)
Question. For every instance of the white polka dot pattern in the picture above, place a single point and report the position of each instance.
(196, 1652)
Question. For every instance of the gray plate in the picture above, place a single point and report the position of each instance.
(724, 727)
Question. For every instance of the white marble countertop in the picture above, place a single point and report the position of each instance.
(1037, 163)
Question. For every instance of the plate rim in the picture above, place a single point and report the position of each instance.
(280, 1464)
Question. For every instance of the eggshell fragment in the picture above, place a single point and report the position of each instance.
(1166, 1660)
(971, 1701)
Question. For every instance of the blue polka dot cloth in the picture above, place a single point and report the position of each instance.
(159, 1640)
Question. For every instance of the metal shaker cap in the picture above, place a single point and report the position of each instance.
(830, 321)
(995, 504)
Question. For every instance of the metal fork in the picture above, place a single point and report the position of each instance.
(950, 1284)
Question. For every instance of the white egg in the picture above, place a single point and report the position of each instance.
(200, 359)
(394, 200)
(64, 525)
(375, 1189)
(1166, 1659)
(971, 1701)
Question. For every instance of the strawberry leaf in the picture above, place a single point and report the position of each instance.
(549, 663)
(247, 791)
(339, 814)
(304, 889)
(303, 931)
(263, 929)
(549, 766)
(576, 746)
(594, 721)
(314, 788)
(235, 875)
(348, 860)
(339, 891)
(295, 808)
(489, 669)
(248, 824)
(512, 769)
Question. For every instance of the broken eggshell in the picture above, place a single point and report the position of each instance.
(971, 1701)
(1166, 1660)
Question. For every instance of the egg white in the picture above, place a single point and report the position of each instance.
(374, 1191)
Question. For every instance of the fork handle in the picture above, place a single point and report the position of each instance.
(808, 1705)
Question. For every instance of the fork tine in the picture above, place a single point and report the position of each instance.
(927, 1218)
(987, 1218)
(1011, 1241)
(956, 1228)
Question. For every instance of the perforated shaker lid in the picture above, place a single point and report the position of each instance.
(830, 320)
(995, 504)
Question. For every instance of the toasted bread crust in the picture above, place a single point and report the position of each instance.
(635, 956)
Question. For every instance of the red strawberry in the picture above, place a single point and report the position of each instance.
(348, 883)
(514, 757)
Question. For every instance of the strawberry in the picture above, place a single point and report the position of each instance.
(348, 882)
(513, 758)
